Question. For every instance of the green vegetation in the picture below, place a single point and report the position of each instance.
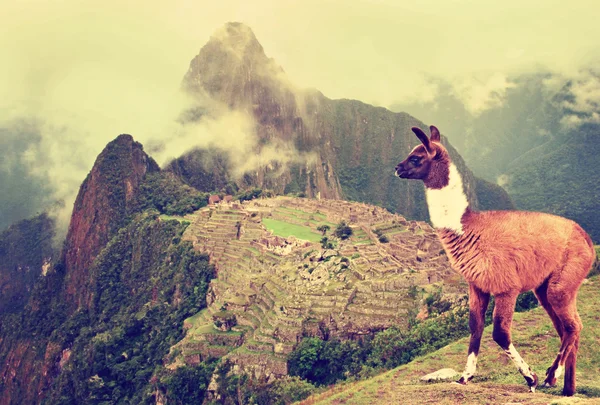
(323, 229)
(325, 362)
(143, 286)
(207, 170)
(166, 193)
(326, 243)
(559, 178)
(383, 238)
(253, 193)
(285, 229)
(596, 267)
(243, 389)
(491, 197)
(343, 231)
(24, 247)
(497, 381)
(187, 385)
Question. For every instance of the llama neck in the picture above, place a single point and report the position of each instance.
(448, 204)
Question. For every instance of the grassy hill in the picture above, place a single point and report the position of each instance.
(497, 380)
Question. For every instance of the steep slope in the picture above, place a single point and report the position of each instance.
(490, 140)
(497, 381)
(233, 69)
(143, 284)
(356, 146)
(560, 178)
(273, 289)
(26, 252)
(101, 208)
(147, 279)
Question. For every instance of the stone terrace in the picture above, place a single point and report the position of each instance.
(282, 289)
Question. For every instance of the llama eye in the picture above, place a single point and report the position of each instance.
(414, 160)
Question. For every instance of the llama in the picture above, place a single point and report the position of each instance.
(505, 253)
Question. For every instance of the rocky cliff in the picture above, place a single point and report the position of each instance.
(26, 252)
(356, 145)
(101, 208)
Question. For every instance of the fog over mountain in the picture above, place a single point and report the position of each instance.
(74, 75)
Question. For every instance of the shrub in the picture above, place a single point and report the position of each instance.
(325, 243)
(384, 239)
(166, 193)
(343, 231)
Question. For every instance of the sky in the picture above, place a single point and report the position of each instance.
(82, 72)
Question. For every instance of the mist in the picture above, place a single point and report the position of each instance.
(76, 75)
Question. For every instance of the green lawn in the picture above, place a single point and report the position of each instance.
(285, 229)
(165, 217)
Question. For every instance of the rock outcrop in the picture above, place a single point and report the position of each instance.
(101, 208)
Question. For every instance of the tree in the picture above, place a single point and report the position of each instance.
(323, 229)
(343, 231)
(325, 243)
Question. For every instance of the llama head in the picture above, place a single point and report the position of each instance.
(429, 161)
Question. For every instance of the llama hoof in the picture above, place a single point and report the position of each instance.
(568, 392)
(532, 382)
(463, 380)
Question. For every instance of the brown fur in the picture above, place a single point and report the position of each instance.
(504, 253)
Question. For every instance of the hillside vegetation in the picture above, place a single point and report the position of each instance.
(25, 249)
(556, 178)
(497, 381)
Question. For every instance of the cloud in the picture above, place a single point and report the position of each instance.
(86, 72)
(583, 105)
(480, 95)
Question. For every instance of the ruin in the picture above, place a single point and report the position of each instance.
(275, 290)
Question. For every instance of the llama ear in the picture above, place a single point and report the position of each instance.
(435, 134)
(422, 137)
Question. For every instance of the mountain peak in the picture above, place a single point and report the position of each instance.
(231, 60)
(101, 208)
(237, 38)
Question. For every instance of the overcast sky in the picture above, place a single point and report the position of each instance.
(378, 51)
(89, 70)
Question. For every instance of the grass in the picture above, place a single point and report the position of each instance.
(165, 217)
(253, 250)
(497, 381)
(285, 229)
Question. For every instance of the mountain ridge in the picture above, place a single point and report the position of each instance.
(97, 295)
(356, 145)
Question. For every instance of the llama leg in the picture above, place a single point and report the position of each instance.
(542, 295)
(562, 296)
(570, 366)
(503, 315)
(478, 303)
(567, 355)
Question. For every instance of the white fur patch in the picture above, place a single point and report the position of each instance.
(471, 367)
(519, 362)
(559, 371)
(447, 205)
